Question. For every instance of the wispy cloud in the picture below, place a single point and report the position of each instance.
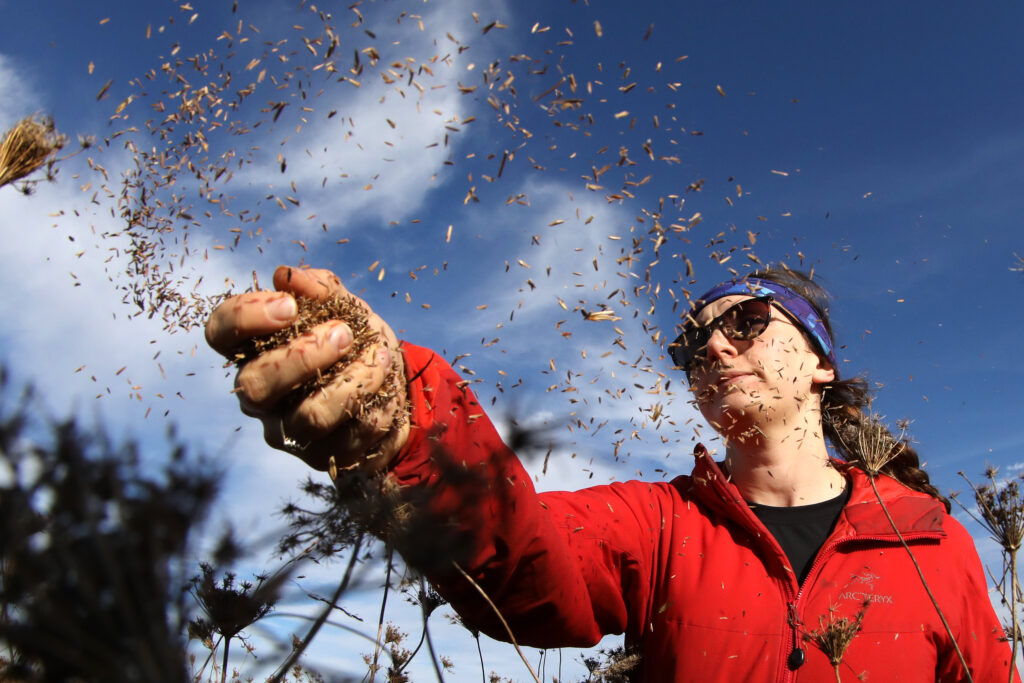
(17, 98)
(384, 148)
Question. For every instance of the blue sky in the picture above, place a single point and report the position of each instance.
(877, 144)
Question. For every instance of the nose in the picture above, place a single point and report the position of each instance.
(720, 347)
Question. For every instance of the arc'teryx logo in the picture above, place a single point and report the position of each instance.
(863, 589)
(867, 579)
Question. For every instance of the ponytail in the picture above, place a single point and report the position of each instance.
(859, 436)
(865, 442)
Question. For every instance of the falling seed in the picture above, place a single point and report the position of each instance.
(103, 91)
(600, 315)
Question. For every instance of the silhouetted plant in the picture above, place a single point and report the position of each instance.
(613, 665)
(1000, 509)
(228, 608)
(91, 546)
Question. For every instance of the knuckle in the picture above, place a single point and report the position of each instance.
(305, 356)
(319, 417)
(252, 386)
(378, 423)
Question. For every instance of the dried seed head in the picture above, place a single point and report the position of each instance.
(1001, 505)
(26, 147)
(835, 635)
(876, 445)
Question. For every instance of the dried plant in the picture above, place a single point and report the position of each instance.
(1000, 509)
(834, 635)
(876, 448)
(228, 608)
(92, 552)
(613, 665)
(872, 443)
(31, 143)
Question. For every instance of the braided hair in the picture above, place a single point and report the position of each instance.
(857, 435)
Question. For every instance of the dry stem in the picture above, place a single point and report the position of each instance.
(315, 628)
(497, 611)
(1001, 509)
(924, 582)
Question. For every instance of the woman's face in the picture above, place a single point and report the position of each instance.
(745, 386)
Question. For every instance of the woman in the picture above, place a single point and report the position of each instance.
(776, 564)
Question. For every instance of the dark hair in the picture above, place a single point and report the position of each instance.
(858, 435)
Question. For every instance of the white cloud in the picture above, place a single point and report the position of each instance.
(393, 137)
(17, 98)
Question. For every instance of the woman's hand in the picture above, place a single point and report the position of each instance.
(337, 425)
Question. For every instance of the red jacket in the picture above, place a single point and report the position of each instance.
(685, 569)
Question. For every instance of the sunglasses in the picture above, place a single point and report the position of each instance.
(743, 321)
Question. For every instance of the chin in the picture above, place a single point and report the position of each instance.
(737, 414)
(734, 414)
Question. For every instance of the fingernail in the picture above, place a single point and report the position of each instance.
(341, 336)
(282, 309)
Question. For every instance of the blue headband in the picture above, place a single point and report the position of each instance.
(791, 302)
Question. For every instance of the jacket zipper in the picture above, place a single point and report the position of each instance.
(793, 612)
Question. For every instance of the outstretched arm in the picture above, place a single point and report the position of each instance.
(563, 569)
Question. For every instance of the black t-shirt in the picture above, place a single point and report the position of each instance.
(802, 530)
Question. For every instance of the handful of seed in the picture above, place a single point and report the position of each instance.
(313, 312)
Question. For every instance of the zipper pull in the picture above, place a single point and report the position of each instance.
(797, 656)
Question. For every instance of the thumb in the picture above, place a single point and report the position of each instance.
(312, 283)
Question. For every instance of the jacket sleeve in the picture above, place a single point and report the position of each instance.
(980, 636)
(562, 568)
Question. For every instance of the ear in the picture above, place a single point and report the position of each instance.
(823, 372)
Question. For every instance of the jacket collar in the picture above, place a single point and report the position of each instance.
(913, 512)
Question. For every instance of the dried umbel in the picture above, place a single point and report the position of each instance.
(834, 635)
(1000, 509)
(866, 439)
(26, 147)
(1001, 505)
(614, 665)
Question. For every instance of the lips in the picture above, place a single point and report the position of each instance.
(726, 379)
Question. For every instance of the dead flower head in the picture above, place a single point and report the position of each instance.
(834, 635)
(26, 147)
(870, 441)
(1001, 505)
